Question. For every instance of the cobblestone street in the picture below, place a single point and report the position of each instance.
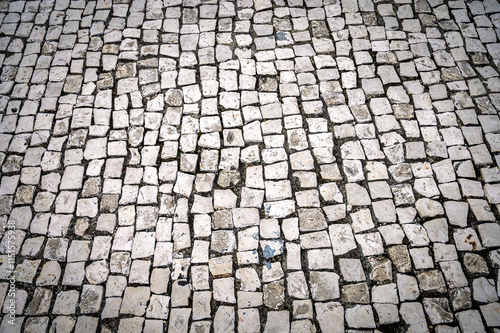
(197, 166)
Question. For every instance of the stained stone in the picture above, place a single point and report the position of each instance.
(40, 303)
(311, 220)
(223, 241)
(461, 298)
(321, 290)
(431, 280)
(467, 240)
(356, 293)
(474, 263)
(380, 269)
(274, 294)
(438, 310)
(178, 320)
(221, 266)
(90, 300)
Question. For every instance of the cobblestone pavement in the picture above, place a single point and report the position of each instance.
(250, 166)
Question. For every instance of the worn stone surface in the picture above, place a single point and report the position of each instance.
(250, 166)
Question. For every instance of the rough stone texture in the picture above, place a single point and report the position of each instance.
(275, 166)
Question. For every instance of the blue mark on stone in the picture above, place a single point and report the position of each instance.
(280, 35)
(268, 252)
